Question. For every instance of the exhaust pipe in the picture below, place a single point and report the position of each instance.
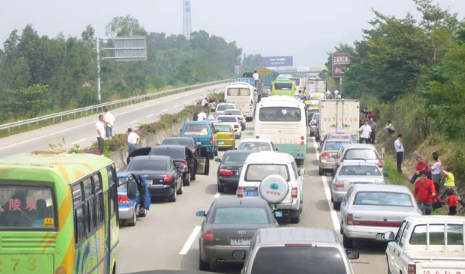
(220, 261)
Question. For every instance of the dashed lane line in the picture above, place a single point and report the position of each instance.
(133, 122)
(190, 241)
(148, 116)
(79, 141)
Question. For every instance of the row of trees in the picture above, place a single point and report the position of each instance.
(39, 74)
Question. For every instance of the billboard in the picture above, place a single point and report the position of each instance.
(340, 61)
(279, 61)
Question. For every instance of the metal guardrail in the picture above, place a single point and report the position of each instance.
(114, 104)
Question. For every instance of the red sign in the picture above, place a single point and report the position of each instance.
(340, 61)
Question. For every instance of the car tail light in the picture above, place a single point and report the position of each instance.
(231, 134)
(226, 172)
(123, 199)
(412, 268)
(240, 192)
(167, 179)
(236, 126)
(183, 166)
(339, 184)
(325, 156)
(294, 193)
(380, 163)
(342, 160)
(208, 235)
(240, 118)
(350, 219)
(302, 138)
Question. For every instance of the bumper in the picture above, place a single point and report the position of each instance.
(161, 190)
(295, 150)
(329, 165)
(226, 143)
(224, 252)
(294, 205)
(338, 196)
(228, 182)
(366, 232)
(126, 213)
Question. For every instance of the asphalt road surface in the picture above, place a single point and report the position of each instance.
(167, 239)
(83, 132)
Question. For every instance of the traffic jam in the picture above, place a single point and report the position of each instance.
(259, 136)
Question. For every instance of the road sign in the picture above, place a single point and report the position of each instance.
(132, 48)
(340, 62)
(279, 61)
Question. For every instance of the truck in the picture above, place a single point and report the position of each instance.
(338, 115)
(427, 245)
(315, 85)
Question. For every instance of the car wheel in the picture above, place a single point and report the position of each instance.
(143, 213)
(301, 205)
(172, 198)
(295, 219)
(204, 266)
(186, 180)
(180, 190)
(133, 221)
(336, 205)
(346, 242)
(321, 172)
(220, 189)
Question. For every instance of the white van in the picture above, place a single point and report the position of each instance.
(243, 95)
(274, 177)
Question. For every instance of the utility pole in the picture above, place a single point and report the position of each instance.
(99, 95)
(187, 19)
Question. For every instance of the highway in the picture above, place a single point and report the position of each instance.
(83, 132)
(168, 237)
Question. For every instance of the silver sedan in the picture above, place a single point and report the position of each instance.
(370, 211)
(328, 152)
(353, 173)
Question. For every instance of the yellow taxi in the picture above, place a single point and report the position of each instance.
(225, 135)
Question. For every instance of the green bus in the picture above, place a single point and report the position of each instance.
(58, 214)
(283, 86)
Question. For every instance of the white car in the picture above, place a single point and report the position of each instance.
(257, 145)
(238, 113)
(221, 107)
(233, 121)
(274, 177)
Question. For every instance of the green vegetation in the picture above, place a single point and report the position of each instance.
(411, 72)
(390, 167)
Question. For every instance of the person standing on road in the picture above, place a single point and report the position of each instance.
(390, 128)
(365, 133)
(100, 125)
(374, 127)
(109, 122)
(399, 146)
(425, 192)
(133, 141)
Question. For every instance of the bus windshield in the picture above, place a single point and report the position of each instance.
(238, 92)
(280, 114)
(26, 207)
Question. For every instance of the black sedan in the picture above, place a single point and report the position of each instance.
(230, 167)
(230, 224)
(161, 174)
(182, 141)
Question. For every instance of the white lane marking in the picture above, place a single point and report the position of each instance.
(80, 141)
(332, 212)
(176, 106)
(177, 97)
(217, 195)
(164, 110)
(148, 116)
(190, 241)
(132, 122)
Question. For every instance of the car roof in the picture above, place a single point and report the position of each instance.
(228, 152)
(381, 187)
(296, 235)
(240, 202)
(360, 163)
(226, 104)
(197, 122)
(151, 157)
(170, 147)
(436, 218)
(338, 140)
(251, 140)
(350, 146)
(180, 138)
(270, 157)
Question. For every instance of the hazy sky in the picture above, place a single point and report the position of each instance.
(306, 29)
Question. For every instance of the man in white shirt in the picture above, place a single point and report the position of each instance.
(100, 125)
(399, 146)
(133, 140)
(109, 122)
(205, 104)
(256, 77)
(201, 116)
(365, 134)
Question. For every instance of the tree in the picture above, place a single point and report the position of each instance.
(124, 26)
(26, 102)
(88, 37)
(252, 62)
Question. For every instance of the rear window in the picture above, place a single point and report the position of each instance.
(256, 146)
(235, 159)
(173, 153)
(333, 145)
(182, 142)
(286, 259)
(357, 170)
(238, 92)
(381, 198)
(283, 86)
(318, 95)
(233, 112)
(259, 172)
(240, 215)
(335, 136)
(436, 234)
(138, 165)
(196, 129)
(223, 128)
(27, 208)
(225, 107)
(231, 119)
(280, 114)
(361, 154)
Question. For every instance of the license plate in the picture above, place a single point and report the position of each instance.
(278, 214)
(199, 143)
(253, 193)
(220, 142)
(240, 241)
(380, 237)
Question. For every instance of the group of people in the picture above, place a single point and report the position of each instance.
(104, 127)
(208, 105)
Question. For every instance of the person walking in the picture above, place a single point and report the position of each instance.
(205, 104)
(399, 146)
(452, 202)
(425, 193)
(365, 133)
(374, 127)
(100, 125)
(109, 122)
(390, 128)
(133, 141)
(436, 172)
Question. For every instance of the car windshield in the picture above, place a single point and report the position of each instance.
(358, 170)
(258, 172)
(361, 154)
(381, 198)
(280, 114)
(235, 159)
(226, 119)
(196, 129)
(238, 92)
(240, 215)
(26, 207)
(333, 145)
(225, 107)
(182, 142)
(174, 153)
(258, 146)
(148, 164)
(223, 128)
(298, 259)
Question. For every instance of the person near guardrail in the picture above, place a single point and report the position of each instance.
(109, 122)
(100, 125)
(133, 140)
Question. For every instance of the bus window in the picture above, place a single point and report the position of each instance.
(79, 221)
(280, 114)
(27, 207)
(280, 86)
(99, 205)
(90, 206)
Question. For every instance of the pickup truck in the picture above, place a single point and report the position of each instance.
(427, 245)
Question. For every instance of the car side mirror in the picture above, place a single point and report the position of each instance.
(218, 160)
(239, 255)
(385, 175)
(389, 236)
(352, 254)
(301, 172)
(201, 214)
(132, 190)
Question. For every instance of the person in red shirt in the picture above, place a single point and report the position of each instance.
(452, 202)
(421, 165)
(371, 115)
(424, 192)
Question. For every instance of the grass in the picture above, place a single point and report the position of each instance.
(390, 167)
